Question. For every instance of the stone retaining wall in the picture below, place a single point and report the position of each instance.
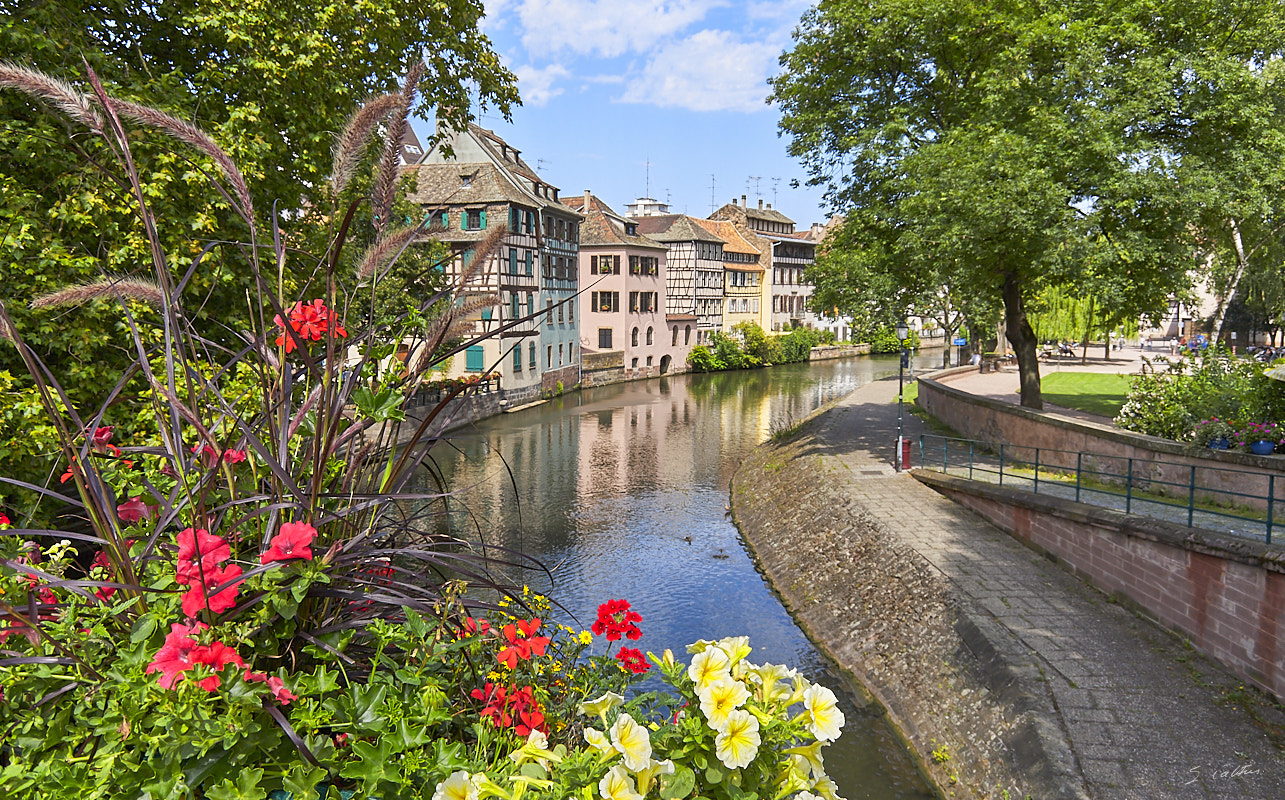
(829, 351)
(885, 615)
(1113, 451)
(1224, 592)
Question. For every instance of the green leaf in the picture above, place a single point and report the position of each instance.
(375, 765)
(678, 785)
(713, 774)
(301, 781)
(245, 788)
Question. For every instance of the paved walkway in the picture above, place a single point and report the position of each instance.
(1144, 718)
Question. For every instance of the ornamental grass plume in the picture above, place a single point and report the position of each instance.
(113, 288)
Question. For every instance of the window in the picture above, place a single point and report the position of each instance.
(633, 338)
(517, 357)
(529, 259)
(573, 232)
(531, 354)
(548, 358)
(559, 312)
(604, 338)
(605, 265)
(635, 267)
(473, 219)
(513, 219)
(648, 302)
(651, 338)
(559, 355)
(474, 360)
(571, 310)
(649, 361)
(530, 304)
(687, 334)
(515, 306)
(633, 364)
(606, 302)
(674, 342)
(548, 314)
(633, 301)
(513, 261)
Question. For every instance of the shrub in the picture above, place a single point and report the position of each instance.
(884, 340)
(1212, 384)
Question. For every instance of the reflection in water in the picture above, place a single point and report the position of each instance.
(622, 491)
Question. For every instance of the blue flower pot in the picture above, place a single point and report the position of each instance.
(1262, 448)
(1221, 443)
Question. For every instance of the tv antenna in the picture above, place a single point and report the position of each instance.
(775, 181)
(647, 178)
(711, 193)
(755, 179)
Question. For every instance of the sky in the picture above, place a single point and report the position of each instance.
(626, 97)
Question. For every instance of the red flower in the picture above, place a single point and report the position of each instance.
(196, 599)
(473, 627)
(216, 656)
(280, 692)
(101, 436)
(522, 643)
(511, 708)
(233, 456)
(291, 542)
(311, 321)
(4, 520)
(134, 509)
(632, 660)
(69, 474)
(213, 551)
(177, 655)
(616, 619)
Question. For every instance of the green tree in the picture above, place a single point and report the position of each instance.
(271, 81)
(1025, 146)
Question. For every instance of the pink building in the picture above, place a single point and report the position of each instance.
(622, 283)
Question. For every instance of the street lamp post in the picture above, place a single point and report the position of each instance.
(903, 331)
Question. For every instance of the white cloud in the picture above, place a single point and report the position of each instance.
(536, 84)
(607, 28)
(708, 71)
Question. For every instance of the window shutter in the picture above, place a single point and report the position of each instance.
(517, 357)
(484, 219)
(593, 264)
(474, 361)
(528, 263)
(513, 260)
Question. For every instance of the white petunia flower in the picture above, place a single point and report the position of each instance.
(632, 741)
(823, 718)
(811, 755)
(720, 698)
(709, 665)
(459, 786)
(617, 785)
(738, 742)
(598, 740)
(599, 706)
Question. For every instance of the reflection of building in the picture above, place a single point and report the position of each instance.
(694, 285)
(624, 277)
(484, 186)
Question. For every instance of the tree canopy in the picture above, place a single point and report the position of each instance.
(1009, 147)
(271, 81)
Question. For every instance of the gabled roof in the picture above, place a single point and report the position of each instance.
(600, 228)
(734, 242)
(676, 228)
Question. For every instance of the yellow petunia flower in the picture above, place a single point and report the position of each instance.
(632, 741)
(617, 785)
(738, 742)
(822, 716)
(720, 698)
(459, 786)
(709, 665)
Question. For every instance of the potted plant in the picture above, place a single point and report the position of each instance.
(1260, 437)
(1214, 433)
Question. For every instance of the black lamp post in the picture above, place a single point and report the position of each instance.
(903, 331)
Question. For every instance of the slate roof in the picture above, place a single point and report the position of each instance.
(736, 242)
(676, 228)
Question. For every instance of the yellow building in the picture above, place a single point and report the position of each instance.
(743, 285)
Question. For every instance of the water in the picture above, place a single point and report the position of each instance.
(622, 492)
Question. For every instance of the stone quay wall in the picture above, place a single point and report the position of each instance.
(1226, 593)
(829, 351)
(599, 369)
(1172, 465)
(891, 621)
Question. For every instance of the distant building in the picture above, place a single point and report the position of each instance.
(623, 275)
(788, 254)
(744, 298)
(694, 284)
(486, 185)
(646, 207)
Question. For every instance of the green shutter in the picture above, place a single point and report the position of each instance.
(484, 219)
(517, 357)
(528, 263)
(513, 261)
(474, 361)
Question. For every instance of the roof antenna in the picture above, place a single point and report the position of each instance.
(775, 181)
(647, 179)
(711, 193)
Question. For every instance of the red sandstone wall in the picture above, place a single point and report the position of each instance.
(1229, 601)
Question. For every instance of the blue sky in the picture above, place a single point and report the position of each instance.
(609, 85)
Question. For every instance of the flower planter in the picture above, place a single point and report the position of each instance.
(1221, 443)
(1262, 448)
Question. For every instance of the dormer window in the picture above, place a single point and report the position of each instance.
(631, 229)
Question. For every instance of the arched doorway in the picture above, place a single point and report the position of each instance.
(664, 364)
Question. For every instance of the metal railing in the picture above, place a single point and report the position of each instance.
(1241, 502)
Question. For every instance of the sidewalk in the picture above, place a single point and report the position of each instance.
(1141, 716)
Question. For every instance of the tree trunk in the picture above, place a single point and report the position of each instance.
(1088, 333)
(1020, 335)
(1241, 262)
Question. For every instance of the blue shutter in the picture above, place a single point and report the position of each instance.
(474, 361)
(513, 219)
(513, 260)
(484, 219)
(528, 263)
(517, 357)
(513, 305)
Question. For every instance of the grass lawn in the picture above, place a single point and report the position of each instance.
(1095, 392)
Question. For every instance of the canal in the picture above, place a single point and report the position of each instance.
(622, 492)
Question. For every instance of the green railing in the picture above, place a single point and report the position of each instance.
(1241, 502)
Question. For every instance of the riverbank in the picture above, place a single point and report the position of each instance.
(1004, 673)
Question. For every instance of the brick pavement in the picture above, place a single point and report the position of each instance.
(1143, 716)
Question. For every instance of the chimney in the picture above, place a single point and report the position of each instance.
(586, 201)
(769, 206)
(743, 202)
(760, 204)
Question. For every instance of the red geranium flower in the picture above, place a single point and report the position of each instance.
(233, 456)
(311, 321)
(632, 660)
(616, 619)
(476, 626)
(213, 550)
(4, 520)
(196, 599)
(292, 541)
(216, 656)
